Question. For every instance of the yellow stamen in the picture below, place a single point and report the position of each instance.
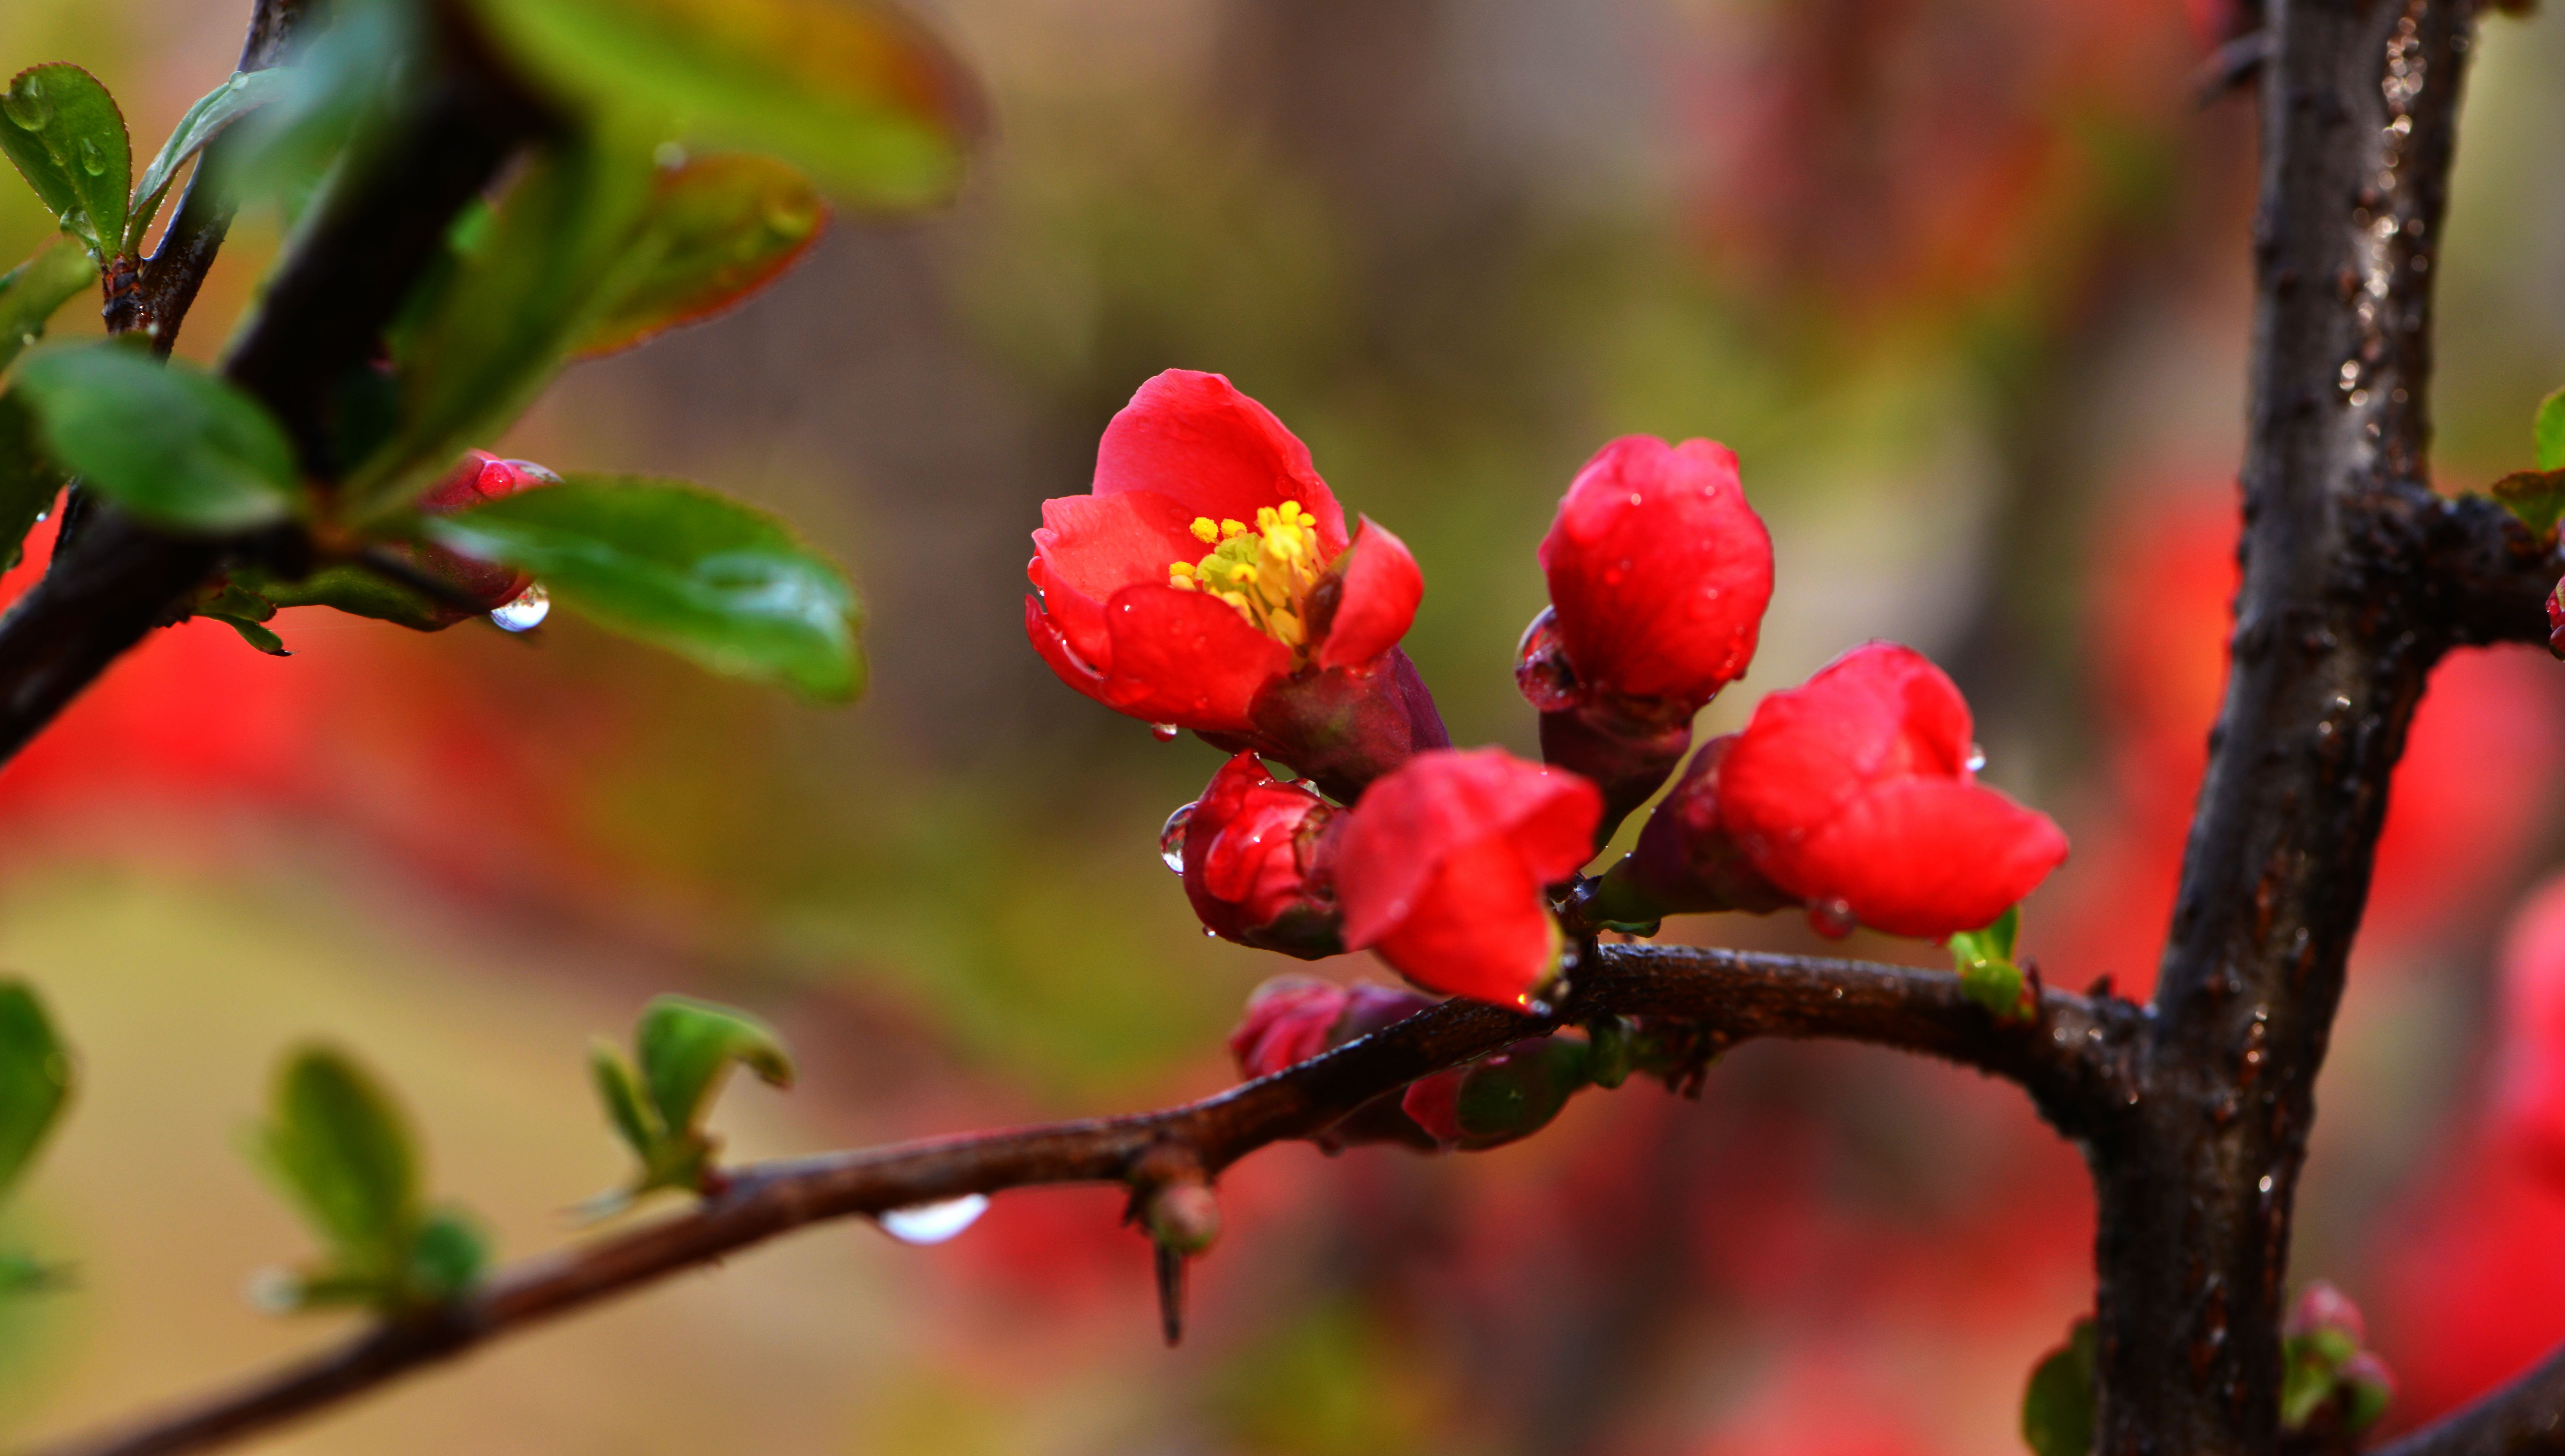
(1204, 531)
(1264, 571)
(1229, 529)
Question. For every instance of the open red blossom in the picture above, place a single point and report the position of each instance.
(1211, 564)
(1857, 793)
(1252, 867)
(1659, 573)
(1441, 868)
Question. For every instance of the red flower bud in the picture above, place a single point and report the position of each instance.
(1250, 851)
(479, 478)
(1686, 861)
(1857, 793)
(1289, 1019)
(1209, 565)
(2322, 1308)
(1442, 869)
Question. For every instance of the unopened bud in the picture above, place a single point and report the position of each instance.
(1183, 1217)
(1508, 1096)
(2326, 1315)
(1254, 856)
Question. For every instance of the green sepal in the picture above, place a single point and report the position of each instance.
(1611, 1051)
(35, 1078)
(68, 139)
(349, 588)
(1502, 1100)
(2535, 497)
(176, 446)
(2057, 1409)
(32, 291)
(1988, 975)
(244, 612)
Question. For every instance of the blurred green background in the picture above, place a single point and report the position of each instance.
(1962, 281)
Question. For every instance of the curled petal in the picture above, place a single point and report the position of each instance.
(1926, 857)
(1195, 439)
(1381, 587)
(1442, 802)
(1479, 926)
(1879, 712)
(1170, 657)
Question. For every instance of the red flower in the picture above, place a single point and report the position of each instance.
(1252, 864)
(1289, 1020)
(1209, 563)
(1857, 793)
(1442, 869)
(1659, 574)
(479, 478)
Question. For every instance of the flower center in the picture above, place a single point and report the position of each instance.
(1266, 571)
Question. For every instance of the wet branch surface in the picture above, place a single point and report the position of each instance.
(2070, 1058)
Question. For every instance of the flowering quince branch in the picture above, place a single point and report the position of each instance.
(2069, 1060)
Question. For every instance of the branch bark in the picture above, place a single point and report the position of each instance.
(2072, 1058)
(2523, 1418)
(2338, 623)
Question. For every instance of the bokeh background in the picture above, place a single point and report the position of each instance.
(1962, 281)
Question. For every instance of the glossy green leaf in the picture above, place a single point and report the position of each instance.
(28, 480)
(35, 1078)
(68, 141)
(170, 443)
(686, 1047)
(560, 252)
(2535, 497)
(2057, 1411)
(620, 1092)
(719, 228)
(32, 291)
(2548, 432)
(850, 90)
(338, 1149)
(244, 93)
(679, 567)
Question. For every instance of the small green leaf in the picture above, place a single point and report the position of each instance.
(561, 249)
(28, 480)
(67, 139)
(2057, 1411)
(446, 1256)
(685, 1045)
(172, 443)
(253, 633)
(1987, 974)
(848, 89)
(719, 229)
(35, 1078)
(621, 1093)
(337, 1149)
(31, 292)
(244, 93)
(2535, 497)
(2547, 432)
(680, 568)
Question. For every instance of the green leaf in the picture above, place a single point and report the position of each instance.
(28, 480)
(680, 568)
(244, 93)
(2057, 1411)
(621, 1093)
(560, 252)
(31, 292)
(2535, 497)
(172, 443)
(719, 228)
(67, 139)
(446, 1256)
(2547, 432)
(345, 80)
(35, 1078)
(25, 1274)
(850, 90)
(340, 1151)
(1987, 974)
(686, 1047)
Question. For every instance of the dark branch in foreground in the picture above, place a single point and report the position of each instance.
(2070, 1058)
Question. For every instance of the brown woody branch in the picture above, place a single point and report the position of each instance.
(2070, 1056)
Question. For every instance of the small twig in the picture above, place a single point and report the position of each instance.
(2523, 1418)
(2068, 1057)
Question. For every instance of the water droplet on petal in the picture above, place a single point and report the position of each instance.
(1165, 732)
(533, 471)
(91, 160)
(1636, 499)
(1976, 758)
(1832, 919)
(933, 1223)
(1171, 839)
(27, 105)
(526, 613)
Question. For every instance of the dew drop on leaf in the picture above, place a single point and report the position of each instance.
(1171, 839)
(91, 160)
(526, 613)
(27, 105)
(933, 1223)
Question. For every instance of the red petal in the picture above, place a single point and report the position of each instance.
(1042, 630)
(1184, 658)
(1195, 439)
(1481, 928)
(1879, 712)
(1926, 858)
(1442, 802)
(1659, 570)
(1090, 547)
(1382, 588)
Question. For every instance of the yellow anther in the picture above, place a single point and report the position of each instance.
(1263, 573)
(1181, 567)
(1229, 529)
(1204, 531)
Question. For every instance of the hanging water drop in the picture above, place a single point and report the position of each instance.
(933, 1223)
(1832, 919)
(1171, 839)
(27, 105)
(91, 160)
(1164, 732)
(525, 611)
(1976, 758)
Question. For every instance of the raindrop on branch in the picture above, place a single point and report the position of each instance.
(933, 1223)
